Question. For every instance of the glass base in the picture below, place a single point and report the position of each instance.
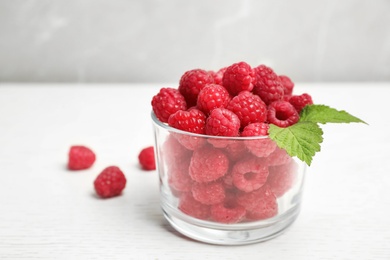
(230, 234)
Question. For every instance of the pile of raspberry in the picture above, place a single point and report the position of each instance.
(228, 180)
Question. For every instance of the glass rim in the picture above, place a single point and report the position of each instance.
(165, 126)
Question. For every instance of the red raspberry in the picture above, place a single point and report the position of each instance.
(212, 96)
(80, 157)
(209, 193)
(238, 77)
(222, 122)
(167, 102)
(208, 164)
(248, 107)
(278, 156)
(288, 85)
(261, 147)
(192, 121)
(236, 150)
(260, 204)
(228, 212)
(110, 182)
(281, 178)
(268, 85)
(146, 159)
(174, 152)
(191, 82)
(178, 178)
(282, 114)
(192, 207)
(300, 101)
(218, 75)
(250, 174)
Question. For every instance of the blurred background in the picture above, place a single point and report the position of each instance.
(89, 41)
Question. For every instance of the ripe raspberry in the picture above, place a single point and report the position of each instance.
(281, 178)
(300, 101)
(268, 85)
(288, 85)
(209, 193)
(250, 174)
(278, 156)
(218, 75)
(192, 207)
(208, 164)
(248, 107)
(227, 212)
(191, 82)
(167, 102)
(222, 122)
(80, 157)
(238, 77)
(260, 147)
(212, 96)
(260, 204)
(110, 182)
(282, 114)
(174, 152)
(236, 150)
(146, 159)
(178, 178)
(192, 121)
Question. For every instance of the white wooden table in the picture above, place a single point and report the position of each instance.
(48, 212)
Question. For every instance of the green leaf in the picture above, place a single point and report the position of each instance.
(301, 139)
(323, 114)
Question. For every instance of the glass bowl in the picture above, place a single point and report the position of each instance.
(226, 190)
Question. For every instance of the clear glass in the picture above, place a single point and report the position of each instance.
(225, 190)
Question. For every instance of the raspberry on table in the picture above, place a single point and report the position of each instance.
(167, 102)
(267, 84)
(248, 107)
(146, 158)
(300, 101)
(260, 147)
(282, 114)
(110, 182)
(250, 174)
(209, 193)
(288, 85)
(208, 164)
(191, 82)
(282, 177)
(228, 211)
(222, 122)
(212, 96)
(80, 157)
(238, 77)
(192, 207)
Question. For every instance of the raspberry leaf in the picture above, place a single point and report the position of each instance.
(301, 139)
(324, 114)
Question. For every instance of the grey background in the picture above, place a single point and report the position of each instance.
(157, 40)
